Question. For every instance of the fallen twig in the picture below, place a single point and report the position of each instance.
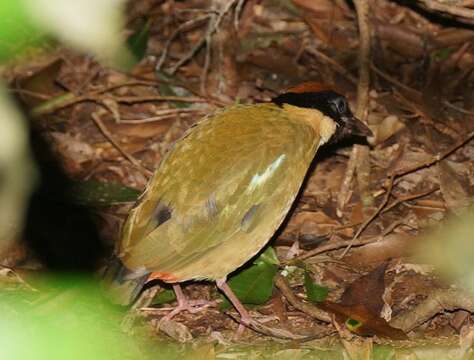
(438, 301)
(363, 84)
(460, 13)
(371, 217)
(409, 197)
(70, 99)
(183, 27)
(162, 115)
(336, 66)
(401, 172)
(415, 93)
(307, 308)
(211, 29)
(332, 245)
(110, 138)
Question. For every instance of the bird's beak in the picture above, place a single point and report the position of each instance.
(358, 128)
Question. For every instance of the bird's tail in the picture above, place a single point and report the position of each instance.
(124, 285)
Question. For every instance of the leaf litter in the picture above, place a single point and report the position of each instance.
(417, 173)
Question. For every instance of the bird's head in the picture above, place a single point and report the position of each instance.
(312, 95)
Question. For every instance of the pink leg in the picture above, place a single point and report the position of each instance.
(245, 318)
(182, 301)
(193, 306)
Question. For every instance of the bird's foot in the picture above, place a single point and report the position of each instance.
(263, 329)
(192, 306)
(195, 306)
(246, 321)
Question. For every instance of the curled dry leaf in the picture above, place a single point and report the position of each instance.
(321, 9)
(309, 225)
(391, 246)
(389, 126)
(73, 149)
(466, 338)
(175, 330)
(325, 181)
(401, 39)
(452, 188)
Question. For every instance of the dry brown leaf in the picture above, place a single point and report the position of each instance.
(41, 82)
(358, 349)
(369, 324)
(323, 17)
(309, 224)
(325, 181)
(466, 338)
(454, 193)
(367, 290)
(363, 178)
(363, 301)
(321, 9)
(142, 131)
(389, 126)
(175, 330)
(357, 213)
(401, 39)
(74, 151)
(391, 246)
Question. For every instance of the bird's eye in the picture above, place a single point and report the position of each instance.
(340, 105)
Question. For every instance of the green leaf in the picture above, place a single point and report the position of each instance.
(96, 193)
(164, 297)
(442, 54)
(137, 43)
(254, 285)
(268, 256)
(314, 292)
(353, 324)
(18, 31)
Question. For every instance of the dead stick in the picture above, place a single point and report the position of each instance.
(363, 85)
(330, 246)
(400, 173)
(336, 66)
(307, 308)
(409, 197)
(69, 99)
(371, 217)
(110, 138)
(435, 159)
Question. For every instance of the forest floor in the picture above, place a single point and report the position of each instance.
(358, 229)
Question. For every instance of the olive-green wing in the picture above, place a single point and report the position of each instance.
(220, 190)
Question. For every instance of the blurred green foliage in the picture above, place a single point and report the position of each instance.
(450, 247)
(67, 317)
(18, 32)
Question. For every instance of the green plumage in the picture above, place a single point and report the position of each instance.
(222, 191)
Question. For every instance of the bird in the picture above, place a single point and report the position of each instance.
(225, 187)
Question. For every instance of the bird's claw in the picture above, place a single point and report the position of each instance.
(264, 329)
(191, 306)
